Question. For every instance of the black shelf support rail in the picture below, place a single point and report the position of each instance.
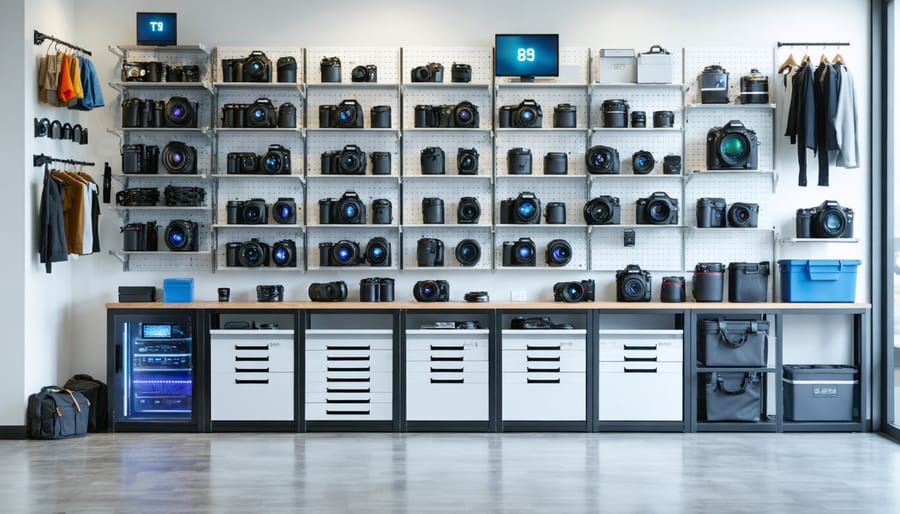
(41, 159)
(40, 37)
(814, 43)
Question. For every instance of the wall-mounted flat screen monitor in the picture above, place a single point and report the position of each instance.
(157, 28)
(526, 55)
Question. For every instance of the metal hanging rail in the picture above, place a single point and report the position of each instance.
(40, 37)
(803, 43)
(41, 159)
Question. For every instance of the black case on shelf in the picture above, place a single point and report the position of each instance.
(748, 281)
(732, 396)
(733, 343)
(129, 294)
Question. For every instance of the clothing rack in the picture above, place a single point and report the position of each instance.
(782, 43)
(41, 159)
(40, 37)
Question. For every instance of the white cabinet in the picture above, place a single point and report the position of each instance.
(447, 375)
(544, 373)
(640, 375)
(251, 375)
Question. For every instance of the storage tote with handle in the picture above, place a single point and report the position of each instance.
(818, 280)
(732, 396)
(820, 392)
(733, 343)
(56, 413)
(748, 281)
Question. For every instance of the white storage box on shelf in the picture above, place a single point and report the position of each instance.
(617, 66)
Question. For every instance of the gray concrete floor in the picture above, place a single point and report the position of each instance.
(732, 473)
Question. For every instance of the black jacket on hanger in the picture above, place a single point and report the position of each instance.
(52, 246)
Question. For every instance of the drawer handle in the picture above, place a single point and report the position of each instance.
(333, 390)
(350, 369)
(251, 359)
(534, 347)
(529, 358)
(347, 358)
(348, 412)
(250, 347)
(349, 347)
(448, 380)
(448, 348)
(542, 370)
(446, 359)
(640, 359)
(543, 380)
(635, 347)
(653, 370)
(251, 370)
(329, 400)
(329, 379)
(239, 381)
(447, 370)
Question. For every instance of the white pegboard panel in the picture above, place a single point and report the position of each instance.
(727, 245)
(446, 94)
(659, 142)
(698, 120)
(268, 236)
(360, 235)
(203, 98)
(268, 190)
(640, 97)
(320, 141)
(450, 236)
(273, 53)
(450, 190)
(542, 235)
(367, 190)
(201, 142)
(277, 96)
(540, 142)
(386, 59)
(733, 187)
(548, 97)
(677, 60)
(574, 68)
(480, 58)
(367, 96)
(570, 191)
(737, 62)
(450, 141)
(178, 262)
(630, 188)
(172, 56)
(655, 248)
(258, 141)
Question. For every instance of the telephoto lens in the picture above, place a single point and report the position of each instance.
(387, 289)
(638, 119)
(559, 252)
(663, 119)
(370, 290)
(468, 252)
(381, 116)
(615, 113)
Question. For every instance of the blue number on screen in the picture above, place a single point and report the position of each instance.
(525, 54)
(156, 26)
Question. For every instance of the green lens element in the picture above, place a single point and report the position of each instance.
(733, 147)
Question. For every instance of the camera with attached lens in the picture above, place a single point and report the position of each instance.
(559, 252)
(276, 161)
(429, 252)
(462, 115)
(519, 253)
(378, 252)
(468, 252)
(341, 253)
(181, 113)
(633, 284)
(349, 161)
(523, 209)
(603, 210)
(347, 114)
(431, 72)
(179, 158)
(284, 254)
(602, 160)
(518, 161)
(366, 73)
(432, 159)
(139, 237)
(743, 215)
(256, 67)
(527, 114)
(182, 236)
(143, 71)
(432, 291)
(184, 73)
(381, 211)
(270, 293)
(262, 113)
(284, 211)
(376, 289)
(347, 210)
(249, 254)
(642, 162)
(140, 159)
(328, 291)
(731, 147)
(827, 220)
(574, 292)
(711, 213)
(555, 213)
(242, 163)
(468, 211)
(248, 212)
(657, 209)
(467, 161)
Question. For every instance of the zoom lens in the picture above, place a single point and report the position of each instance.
(559, 252)
(734, 148)
(526, 210)
(642, 162)
(634, 288)
(345, 253)
(178, 158)
(833, 222)
(468, 252)
(258, 115)
(273, 163)
(658, 210)
(378, 252)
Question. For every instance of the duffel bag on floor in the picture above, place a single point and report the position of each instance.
(55, 413)
(96, 393)
(732, 396)
(736, 343)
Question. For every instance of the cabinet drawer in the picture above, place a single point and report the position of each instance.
(438, 369)
(349, 340)
(550, 397)
(349, 412)
(269, 398)
(323, 361)
(338, 397)
(273, 353)
(544, 360)
(638, 345)
(374, 382)
(561, 340)
(472, 346)
(645, 393)
(447, 402)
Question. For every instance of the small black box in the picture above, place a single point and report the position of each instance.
(132, 294)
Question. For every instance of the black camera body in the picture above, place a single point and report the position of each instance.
(633, 284)
(276, 161)
(711, 213)
(467, 161)
(429, 252)
(139, 237)
(468, 211)
(523, 209)
(603, 160)
(351, 160)
(182, 236)
(143, 71)
(431, 72)
(431, 291)
(827, 220)
(519, 253)
(462, 115)
(347, 114)
(256, 67)
(247, 212)
(242, 163)
(732, 147)
(432, 159)
(340, 253)
(176, 112)
(460, 72)
(743, 215)
(672, 165)
(574, 292)
(364, 73)
(346, 210)
(603, 210)
(140, 159)
(262, 113)
(284, 211)
(183, 73)
(270, 293)
(713, 82)
(657, 209)
(328, 291)
(528, 114)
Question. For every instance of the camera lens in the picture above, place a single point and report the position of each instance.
(281, 255)
(658, 210)
(734, 148)
(349, 211)
(642, 162)
(176, 238)
(251, 255)
(344, 253)
(524, 252)
(358, 73)
(832, 222)
(349, 162)
(345, 115)
(574, 292)
(468, 252)
(559, 252)
(284, 212)
(633, 288)
(252, 214)
(467, 163)
(464, 114)
(272, 163)
(177, 157)
(526, 210)
(378, 252)
(258, 114)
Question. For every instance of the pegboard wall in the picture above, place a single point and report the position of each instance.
(203, 98)
(367, 190)
(733, 187)
(640, 97)
(268, 190)
(574, 68)
(659, 143)
(258, 141)
(478, 57)
(178, 56)
(699, 120)
(200, 142)
(367, 96)
(269, 236)
(540, 142)
(450, 141)
(320, 141)
(447, 94)
(727, 245)
(570, 191)
(675, 53)
(361, 235)
(450, 236)
(656, 248)
(273, 53)
(450, 190)
(542, 235)
(245, 95)
(547, 97)
(736, 61)
(168, 261)
(630, 188)
(387, 61)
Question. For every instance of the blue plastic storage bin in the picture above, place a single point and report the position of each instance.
(818, 280)
(178, 290)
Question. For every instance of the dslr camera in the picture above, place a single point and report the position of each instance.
(429, 252)
(467, 161)
(276, 161)
(341, 253)
(468, 211)
(460, 72)
(378, 252)
(349, 161)
(743, 215)
(179, 158)
(139, 237)
(347, 114)
(182, 236)
(142, 71)
(248, 212)
(462, 115)
(431, 72)
(140, 159)
(328, 291)
(603, 160)
(284, 254)
(573, 292)
(711, 213)
(657, 209)
(827, 220)
(270, 293)
(633, 284)
(603, 210)
(259, 114)
(432, 291)
(527, 114)
(523, 209)
(346, 210)
(183, 73)
(519, 253)
(251, 254)
(256, 67)
(366, 73)
(731, 147)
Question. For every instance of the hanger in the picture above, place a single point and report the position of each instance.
(805, 60)
(838, 59)
(824, 58)
(788, 63)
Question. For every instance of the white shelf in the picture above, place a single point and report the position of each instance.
(263, 332)
(226, 130)
(728, 230)
(629, 85)
(340, 176)
(360, 226)
(263, 226)
(260, 269)
(353, 85)
(122, 208)
(349, 332)
(257, 176)
(633, 176)
(200, 48)
(448, 129)
(638, 130)
(548, 332)
(167, 176)
(591, 228)
(122, 86)
(525, 130)
(453, 85)
(730, 106)
(452, 332)
(352, 131)
(169, 253)
(446, 225)
(259, 86)
(815, 240)
(447, 176)
(541, 176)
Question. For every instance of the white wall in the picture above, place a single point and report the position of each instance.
(100, 23)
